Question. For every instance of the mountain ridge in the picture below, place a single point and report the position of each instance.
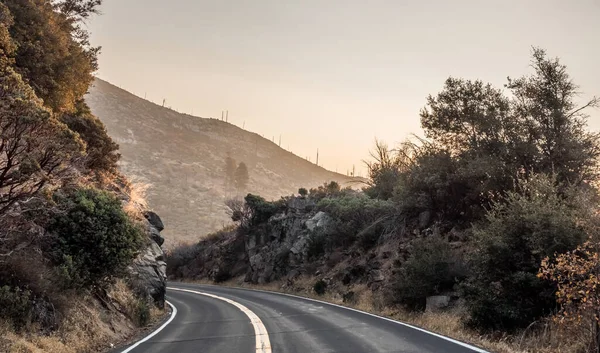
(182, 158)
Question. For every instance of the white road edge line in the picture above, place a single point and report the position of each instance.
(263, 344)
(460, 343)
(173, 313)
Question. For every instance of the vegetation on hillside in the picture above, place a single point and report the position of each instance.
(497, 205)
(63, 229)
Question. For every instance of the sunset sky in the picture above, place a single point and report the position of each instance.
(334, 74)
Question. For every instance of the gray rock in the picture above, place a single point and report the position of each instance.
(154, 220)
(437, 303)
(155, 235)
(149, 272)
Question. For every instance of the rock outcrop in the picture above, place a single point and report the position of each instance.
(149, 269)
(282, 248)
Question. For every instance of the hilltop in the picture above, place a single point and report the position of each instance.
(182, 158)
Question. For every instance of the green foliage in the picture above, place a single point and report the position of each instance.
(16, 305)
(141, 312)
(35, 149)
(101, 151)
(327, 189)
(302, 192)
(94, 240)
(355, 214)
(320, 287)
(53, 53)
(259, 210)
(430, 270)
(536, 222)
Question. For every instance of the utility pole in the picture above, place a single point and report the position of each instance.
(353, 170)
(222, 115)
(145, 95)
(164, 100)
(244, 125)
(317, 157)
(279, 140)
(227, 116)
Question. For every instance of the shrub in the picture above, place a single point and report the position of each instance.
(141, 312)
(260, 209)
(101, 151)
(353, 214)
(320, 287)
(93, 240)
(430, 270)
(302, 192)
(16, 306)
(504, 291)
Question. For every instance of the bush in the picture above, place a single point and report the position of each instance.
(261, 209)
(141, 312)
(93, 240)
(101, 151)
(354, 215)
(504, 292)
(302, 192)
(430, 270)
(16, 306)
(320, 287)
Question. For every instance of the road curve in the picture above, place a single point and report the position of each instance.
(216, 319)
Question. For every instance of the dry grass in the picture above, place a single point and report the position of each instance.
(87, 327)
(542, 338)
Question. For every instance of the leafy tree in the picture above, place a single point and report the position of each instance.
(101, 151)
(544, 104)
(504, 291)
(577, 276)
(93, 239)
(241, 176)
(53, 53)
(35, 148)
(468, 116)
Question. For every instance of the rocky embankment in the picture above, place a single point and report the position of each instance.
(149, 269)
(283, 249)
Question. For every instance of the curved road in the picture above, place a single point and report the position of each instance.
(212, 319)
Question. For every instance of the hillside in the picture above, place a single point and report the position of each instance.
(182, 157)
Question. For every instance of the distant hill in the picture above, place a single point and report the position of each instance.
(182, 157)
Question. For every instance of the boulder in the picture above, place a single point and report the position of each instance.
(149, 269)
(154, 220)
(437, 303)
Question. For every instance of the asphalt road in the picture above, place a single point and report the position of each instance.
(222, 320)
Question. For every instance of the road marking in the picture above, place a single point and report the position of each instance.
(173, 313)
(263, 344)
(460, 343)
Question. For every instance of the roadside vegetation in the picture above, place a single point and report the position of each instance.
(496, 208)
(65, 237)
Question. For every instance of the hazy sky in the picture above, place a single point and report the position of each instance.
(334, 74)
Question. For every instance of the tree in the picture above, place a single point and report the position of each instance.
(544, 104)
(101, 151)
(577, 276)
(93, 239)
(241, 177)
(53, 53)
(35, 148)
(230, 167)
(302, 192)
(468, 116)
(535, 222)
